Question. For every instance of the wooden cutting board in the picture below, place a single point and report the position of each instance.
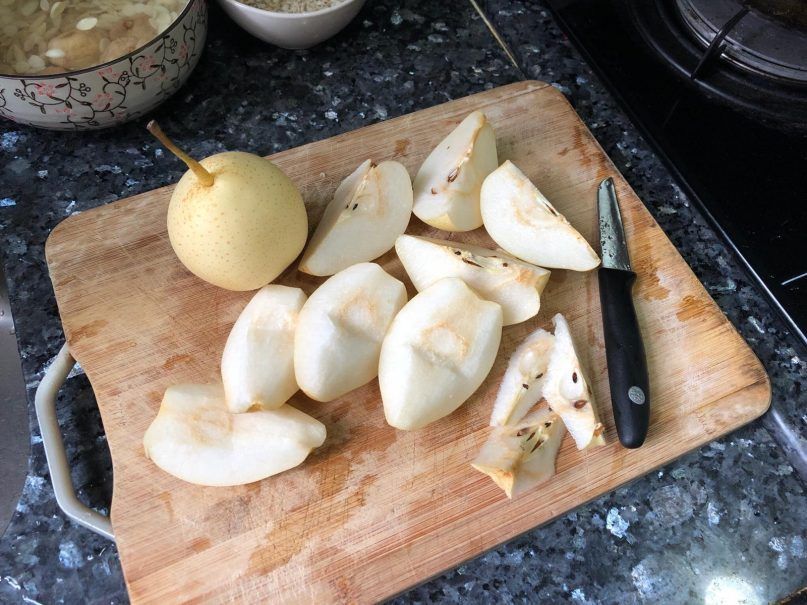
(376, 510)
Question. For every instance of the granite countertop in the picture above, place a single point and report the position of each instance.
(727, 519)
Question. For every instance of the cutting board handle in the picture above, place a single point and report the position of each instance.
(45, 403)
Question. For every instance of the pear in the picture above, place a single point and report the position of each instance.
(567, 391)
(234, 219)
(447, 184)
(522, 385)
(370, 208)
(522, 455)
(257, 367)
(495, 276)
(340, 329)
(523, 222)
(195, 438)
(438, 350)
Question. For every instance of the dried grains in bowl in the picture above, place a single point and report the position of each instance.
(40, 37)
(291, 6)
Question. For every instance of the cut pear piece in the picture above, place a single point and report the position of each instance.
(196, 439)
(438, 350)
(522, 455)
(370, 208)
(257, 367)
(522, 385)
(523, 222)
(567, 391)
(340, 330)
(448, 182)
(495, 276)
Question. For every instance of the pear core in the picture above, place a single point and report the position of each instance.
(242, 231)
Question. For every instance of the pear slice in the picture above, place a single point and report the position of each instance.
(195, 438)
(567, 391)
(522, 385)
(523, 222)
(370, 208)
(522, 455)
(257, 367)
(447, 184)
(438, 350)
(340, 329)
(495, 276)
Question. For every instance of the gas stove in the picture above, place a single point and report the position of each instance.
(719, 88)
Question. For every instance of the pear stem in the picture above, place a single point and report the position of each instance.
(201, 173)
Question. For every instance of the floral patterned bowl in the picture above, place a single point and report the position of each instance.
(115, 92)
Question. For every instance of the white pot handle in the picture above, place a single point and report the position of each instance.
(45, 403)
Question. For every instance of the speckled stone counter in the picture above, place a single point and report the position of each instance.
(728, 517)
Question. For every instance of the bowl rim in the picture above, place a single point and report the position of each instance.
(290, 16)
(100, 66)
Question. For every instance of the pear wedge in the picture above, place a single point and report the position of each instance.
(438, 350)
(567, 391)
(340, 330)
(523, 222)
(522, 385)
(195, 438)
(370, 208)
(448, 182)
(495, 276)
(257, 366)
(522, 455)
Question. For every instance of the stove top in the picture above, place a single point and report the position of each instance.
(716, 87)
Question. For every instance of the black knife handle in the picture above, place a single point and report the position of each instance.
(627, 366)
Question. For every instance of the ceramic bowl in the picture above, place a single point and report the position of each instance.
(114, 92)
(292, 30)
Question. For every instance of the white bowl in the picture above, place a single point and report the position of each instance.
(112, 93)
(292, 30)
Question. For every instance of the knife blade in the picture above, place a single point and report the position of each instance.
(624, 350)
(14, 433)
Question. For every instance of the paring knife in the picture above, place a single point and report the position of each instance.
(627, 367)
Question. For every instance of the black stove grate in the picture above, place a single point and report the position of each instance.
(662, 28)
(750, 38)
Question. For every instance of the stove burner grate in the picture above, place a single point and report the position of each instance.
(766, 37)
(738, 59)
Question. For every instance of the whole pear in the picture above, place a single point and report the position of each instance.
(235, 220)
